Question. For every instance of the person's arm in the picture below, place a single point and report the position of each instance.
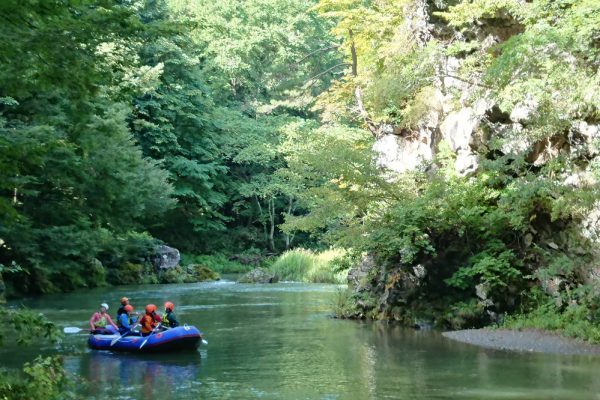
(157, 317)
(173, 320)
(110, 321)
(92, 320)
(124, 321)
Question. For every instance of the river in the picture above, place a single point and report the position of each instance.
(279, 342)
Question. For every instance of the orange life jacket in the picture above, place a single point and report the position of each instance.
(148, 323)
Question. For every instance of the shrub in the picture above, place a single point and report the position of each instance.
(44, 378)
(128, 274)
(576, 320)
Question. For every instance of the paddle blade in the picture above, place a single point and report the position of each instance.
(72, 329)
(204, 342)
(115, 340)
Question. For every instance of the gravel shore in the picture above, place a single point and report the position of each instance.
(524, 341)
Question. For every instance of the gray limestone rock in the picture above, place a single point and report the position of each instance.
(166, 257)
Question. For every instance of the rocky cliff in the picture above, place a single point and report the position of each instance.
(465, 115)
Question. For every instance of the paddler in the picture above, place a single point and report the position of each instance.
(100, 320)
(150, 320)
(168, 318)
(126, 320)
(121, 310)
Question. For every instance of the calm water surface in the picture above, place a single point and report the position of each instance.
(278, 342)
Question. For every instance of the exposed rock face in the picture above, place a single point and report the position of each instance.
(259, 275)
(380, 292)
(166, 257)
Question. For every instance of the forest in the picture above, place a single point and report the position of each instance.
(445, 149)
(441, 154)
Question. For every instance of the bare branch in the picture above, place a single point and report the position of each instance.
(326, 71)
(335, 46)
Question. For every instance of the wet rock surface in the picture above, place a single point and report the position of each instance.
(536, 341)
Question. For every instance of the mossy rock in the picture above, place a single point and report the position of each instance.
(259, 275)
(190, 274)
(172, 275)
(201, 273)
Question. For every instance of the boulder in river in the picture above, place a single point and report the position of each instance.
(200, 273)
(259, 275)
(166, 257)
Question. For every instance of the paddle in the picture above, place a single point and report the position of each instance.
(72, 329)
(151, 333)
(125, 334)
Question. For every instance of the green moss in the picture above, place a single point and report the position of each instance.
(200, 273)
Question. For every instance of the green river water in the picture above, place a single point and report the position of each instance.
(278, 342)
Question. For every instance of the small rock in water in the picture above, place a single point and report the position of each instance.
(259, 275)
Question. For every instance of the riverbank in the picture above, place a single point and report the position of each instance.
(529, 340)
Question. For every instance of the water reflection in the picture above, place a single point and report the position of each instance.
(277, 342)
(136, 376)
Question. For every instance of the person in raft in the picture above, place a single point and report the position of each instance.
(168, 318)
(126, 320)
(150, 320)
(100, 320)
(121, 310)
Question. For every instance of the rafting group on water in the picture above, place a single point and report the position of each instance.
(157, 333)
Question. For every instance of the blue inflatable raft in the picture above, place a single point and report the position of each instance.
(182, 338)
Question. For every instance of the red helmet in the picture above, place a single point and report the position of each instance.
(169, 306)
(128, 308)
(124, 300)
(150, 308)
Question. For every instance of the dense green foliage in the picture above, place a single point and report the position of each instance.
(462, 250)
(237, 130)
(44, 377)
(128, 124)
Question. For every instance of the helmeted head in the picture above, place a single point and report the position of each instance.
(124, 300)
(169, 306)
(128, 308)
(150, 308)
(103, 307)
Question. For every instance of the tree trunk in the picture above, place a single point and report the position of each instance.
(272, 221)
(288, 237)
(262, 216)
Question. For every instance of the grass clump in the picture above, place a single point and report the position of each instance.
(307, 266)
(343, 305)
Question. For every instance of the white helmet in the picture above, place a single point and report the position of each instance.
(104, 305)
